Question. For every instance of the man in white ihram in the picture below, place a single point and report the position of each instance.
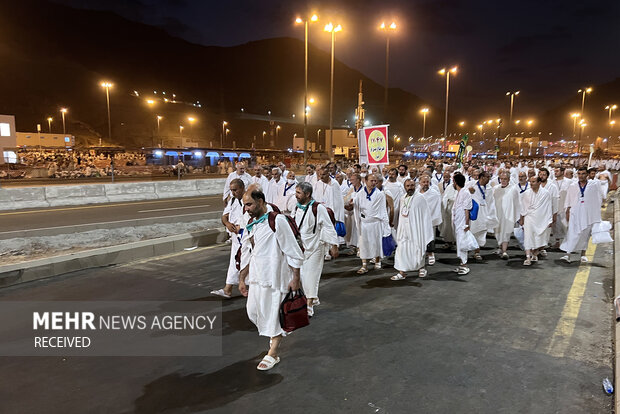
(583, 210)
(370, 211)
(536, 219)
(482, 193)
(414, 233)
(318, 235)
(233, 219)
(240, 174)
(327, 191)
(508, 209)
(433, 200)
(270, 260)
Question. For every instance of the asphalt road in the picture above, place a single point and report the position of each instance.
(69, 219)
(502, 339)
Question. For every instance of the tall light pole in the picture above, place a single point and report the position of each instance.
(313, 18)
(63, 111)
(447, 72)
(610, 108)
(387, 30)
(224, 123)
(575, 116)
(181, 130)
(159, 118)
(278, 127)
(424, 112)
(582, 126)
(583, 92)
(49, 124)
(107, 86)
(264, 133)
(333, 30)
(512, 102)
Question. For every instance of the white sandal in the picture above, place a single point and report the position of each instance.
(584, 259)
(362, 270)
(422, 273)
(378, 265)
(431, 260)
(398, 276)
(220, 292)
(269, 363)
(463, 270)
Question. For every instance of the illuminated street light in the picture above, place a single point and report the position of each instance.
(583, 93)
(575, 116)
(264, 133)
(333, 30)
(447, 73)
(181, 130)
(107, 86)
(49, 123)
(424, 111)
(387, 30)
(159, 118)
(278, 127)
(63, 112)
(299, 20)
(224, 123)
(151, 102)
(512, 100)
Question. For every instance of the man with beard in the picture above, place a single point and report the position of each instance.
(536, 219)
(271, 261)
(583, 210)
(240, 174)
(482, 193)
(414, 233)
(259, 178)
(372, 223)
(433, 201)
(508, 209)
(311, 176)
(402, 173)
(318, 237)
(550, 186)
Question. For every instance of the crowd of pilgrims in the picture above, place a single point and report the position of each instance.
(283, 228)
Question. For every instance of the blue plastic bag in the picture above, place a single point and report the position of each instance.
(389, 245)
(473, 213)
(341, 230)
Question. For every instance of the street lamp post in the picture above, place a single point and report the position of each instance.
(278, 127)
(610, 108)
(611, 126)
(181, 130)
(264, 133)
(387, 30)
(191, 120)
(575, 116)
(314, 18)
(333, 30)
(63, 111)
(107, 86)
(512, 103)
(424, 112)
(447, 72)
(49, 124)
(159, 118)
(224, 123)
(582, 126)
(583, 99)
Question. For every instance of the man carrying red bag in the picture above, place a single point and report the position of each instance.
(270, 260)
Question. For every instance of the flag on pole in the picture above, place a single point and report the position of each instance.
(373, 145)
(462, 149)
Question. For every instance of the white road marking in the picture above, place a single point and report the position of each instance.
(171, 208)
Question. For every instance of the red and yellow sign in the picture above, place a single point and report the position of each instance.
(376, 142)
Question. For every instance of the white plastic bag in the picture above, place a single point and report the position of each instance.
(520, 236)
(469, 242)
(600, 233)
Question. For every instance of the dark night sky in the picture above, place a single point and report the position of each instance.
(545, 49)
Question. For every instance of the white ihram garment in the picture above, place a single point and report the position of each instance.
(508, 211)
(537, 212)
(462, 202)
(486, 222)
(414, 233)
(559, 227)
(316, 245)
(446, 230)
(270, 255)
(234, 209)
(352, 237)
(372, 222)
(245, 177)
(433, 200)
(396, 191)
(584, 213)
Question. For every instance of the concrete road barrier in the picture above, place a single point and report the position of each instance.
(130, 192)
(54, 266)
(75, 195)
(72, 195)
(27, 197)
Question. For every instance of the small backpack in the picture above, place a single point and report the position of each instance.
(271, 218)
